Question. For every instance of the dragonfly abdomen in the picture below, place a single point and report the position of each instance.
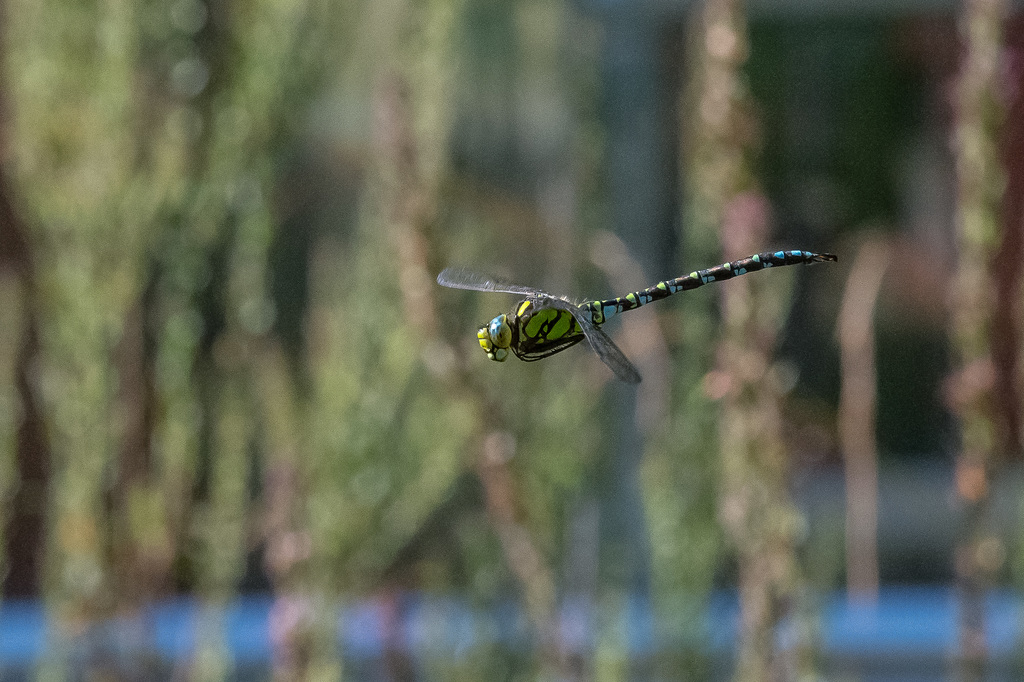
(601, 311)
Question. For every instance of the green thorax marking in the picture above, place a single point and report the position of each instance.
(540, 332)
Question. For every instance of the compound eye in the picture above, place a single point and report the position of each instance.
(501, 332)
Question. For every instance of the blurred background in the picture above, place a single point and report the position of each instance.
(244, 435)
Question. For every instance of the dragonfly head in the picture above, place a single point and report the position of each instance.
(495, 338)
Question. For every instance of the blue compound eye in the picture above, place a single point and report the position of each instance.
(492, 335)
(500, 332)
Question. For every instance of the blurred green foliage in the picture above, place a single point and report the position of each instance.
(146, 149)
(249, 379)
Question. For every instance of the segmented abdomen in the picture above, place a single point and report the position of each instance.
(601, 311)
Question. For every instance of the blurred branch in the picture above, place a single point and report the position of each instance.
(857, 405)
(13, 329)
(972, 392)
(412, 125)
(221, 522)
(24, 540)
(520, 548)
(285, 536)
(69, 84)
(754, 507)
(1008, 341)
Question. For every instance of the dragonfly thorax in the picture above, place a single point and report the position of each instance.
(496, 337)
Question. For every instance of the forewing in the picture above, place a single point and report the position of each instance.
(459, 278)
(599, 341)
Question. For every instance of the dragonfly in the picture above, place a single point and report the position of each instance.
(542, 324)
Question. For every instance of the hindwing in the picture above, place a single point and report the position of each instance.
(598, 340)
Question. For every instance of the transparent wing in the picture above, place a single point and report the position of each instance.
(459, 278)
(599, 341)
